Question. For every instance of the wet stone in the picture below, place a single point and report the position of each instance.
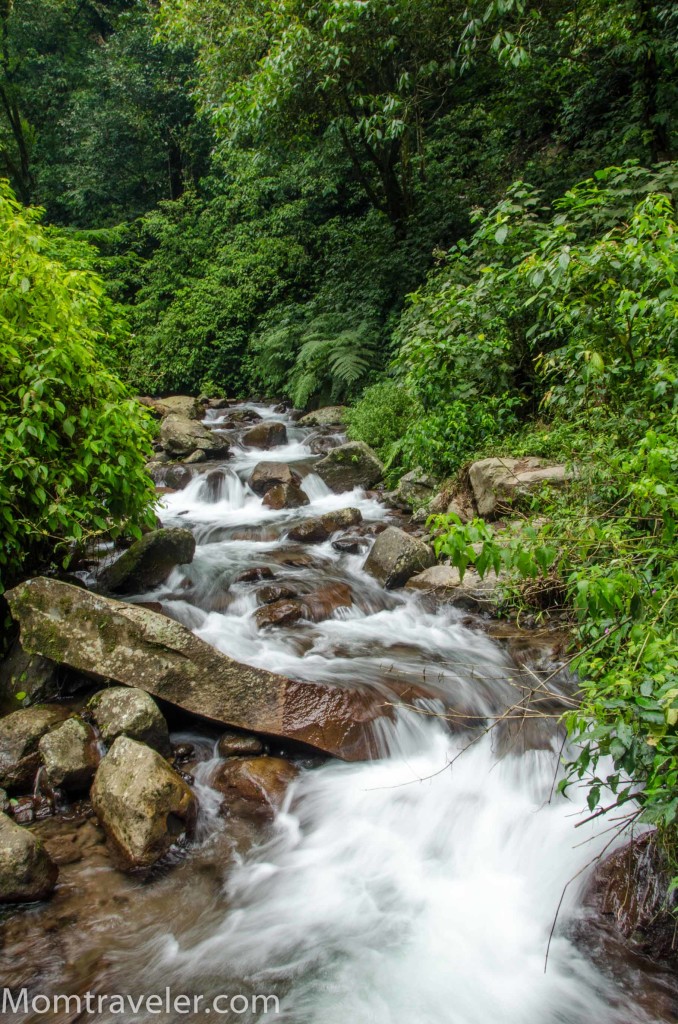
(280, 613)
(285, 496)
(239, 744)
(267, 595)
(254, 575)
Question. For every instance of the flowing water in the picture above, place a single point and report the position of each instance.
(418, 888)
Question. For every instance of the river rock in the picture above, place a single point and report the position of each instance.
(239, 744)
(255, 786)
(183, 405)
(342, 519)
(310, 531)
(321, 604)
(142, 805)
(328, 416)
(414, 491)
(269, 474)
(129, 711)
(183, 437)
(27, 873)
(111, 640)
(350, 544)
(285, 496)
(20, 734)
(26, 678)
(172, 474)
(350, 465)
(267, 434)
(446, 585)
(70, 755)
(149, 561)
(279, 613)
(213, 485)
(396, 556)
(631, 888)
(267, 595)
(498, 483)
(254, 575)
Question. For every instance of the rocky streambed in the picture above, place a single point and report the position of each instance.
(251, 755)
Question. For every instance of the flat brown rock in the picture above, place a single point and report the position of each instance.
(112, 640)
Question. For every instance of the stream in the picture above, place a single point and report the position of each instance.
(418, 888)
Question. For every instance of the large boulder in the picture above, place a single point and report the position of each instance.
(27, 873)
(20, 734)
(183, 437)
(255, 786)
(328, 416)
(269, 474)
(26, 678)
(631, 889)
(285, 496)
(396, 556)
(350, 465)
(267, 434)
(142, 804)
(183, 405)
(131, 712)
(444, 582)
(110, 640)
(149, 561)
(499, 483)
(70, 755)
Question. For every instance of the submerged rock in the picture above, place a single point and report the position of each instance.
(149, 561)
(70, 755)
(267, 595)
(267, 434)
(20, 734)
(279, 613)
(110, 640)
(498, 483)
(255, 786)
(396, 556)
(254, 575)
(170, 474)
(285, 496)
(131, 712)
(269, 474)
(341, 519)
(319, 529)
(27, 873)
(142, 805)
(348, 466)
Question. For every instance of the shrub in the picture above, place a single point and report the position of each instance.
(382, 418)
(73, 443)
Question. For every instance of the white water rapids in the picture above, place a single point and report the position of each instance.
(419, 888)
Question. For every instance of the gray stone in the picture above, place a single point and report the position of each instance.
(182, 405)
(350, 465)
(70, 755)
(129, 711)
(142, 805)
(396, 556)
(499, 482)
(27, 873)
(328, 416)
(149, 561)
(27, 678)
(20, 734)
(446, 585)
(414, 491)
(182, 437)
(267, 434)
(341, 519)
(269, 474)
(110, 640)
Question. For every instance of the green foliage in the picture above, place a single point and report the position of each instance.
(73, 444)
(382, 418)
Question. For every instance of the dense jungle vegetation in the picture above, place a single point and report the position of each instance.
(457, 217)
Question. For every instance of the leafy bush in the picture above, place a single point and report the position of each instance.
(596, 290)
(73, 443)
(382, 418)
